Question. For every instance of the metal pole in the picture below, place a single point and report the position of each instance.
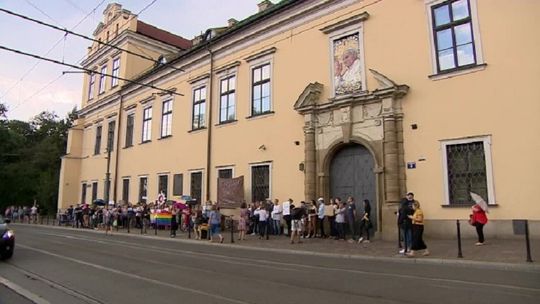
(108, 173)
(398, 237)
(460, 254)
(529, 258)
(266, 230)
(232, 229)
(129, 222)
(155, 225)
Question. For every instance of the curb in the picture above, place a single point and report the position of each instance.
(23, 292)
(534, 268)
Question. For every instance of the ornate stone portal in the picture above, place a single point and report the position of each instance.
(372, 119)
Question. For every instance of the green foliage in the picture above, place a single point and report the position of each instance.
(30, 158)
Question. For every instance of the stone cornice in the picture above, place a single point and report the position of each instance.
(261, 54)
(345, 23)
(309, 97)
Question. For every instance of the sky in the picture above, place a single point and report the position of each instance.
(29, 86)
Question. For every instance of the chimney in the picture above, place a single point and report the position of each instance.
(264, 5)
(232, 22)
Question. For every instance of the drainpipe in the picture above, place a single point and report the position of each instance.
(209, 121)
(119, 124)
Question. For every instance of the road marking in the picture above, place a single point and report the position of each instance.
(53, 284)
(134, 276)
(23, 292)
(288, 266)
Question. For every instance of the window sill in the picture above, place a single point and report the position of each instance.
(197, 130)
(164, 137)
(145, 142)
(127, 147)
(260, 115)
(452, 206)
(224, 123)
(458, 71)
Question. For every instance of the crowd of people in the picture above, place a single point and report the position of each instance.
(23, 214)
(296, 221)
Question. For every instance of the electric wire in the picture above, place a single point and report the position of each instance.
(87, 70)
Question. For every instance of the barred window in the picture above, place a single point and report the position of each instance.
(196, 186)
(260, 182)
(225, 173)
(178, 184)
(83, 193)
(467, 168)
(125, 190)
(110, 136)
(163, 185)
(94, 191)
(143, 189)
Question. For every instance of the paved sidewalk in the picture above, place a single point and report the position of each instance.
(504, 253)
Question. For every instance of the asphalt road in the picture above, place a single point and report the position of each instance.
(75, 266)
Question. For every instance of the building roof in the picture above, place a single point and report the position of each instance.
(153, 32)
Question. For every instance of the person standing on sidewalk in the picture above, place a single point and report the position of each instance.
(244, 214)
(263, 217)
(320, 214)
(404, 222)
(215, 223)
(351, 217)
(479, 219)
(286, 209)
(365, 222)
(297, 213)
(340, 219)
(417, 220)
(277, 212)
(174, 221)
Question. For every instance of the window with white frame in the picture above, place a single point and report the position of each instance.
(196, 185)
(115, 72)
(199, 108)
(97, 144)
(102, 79)
(91, 84)
(125, 190)
(467, 168)
(456, 44)
(130, 122)
(163, 185)
(260, 93)
(260, 182)
(147, 125)
(166, 118)
(227, 101)
(143, 189)
(110, 135)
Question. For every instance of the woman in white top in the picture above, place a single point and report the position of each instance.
(340, 220)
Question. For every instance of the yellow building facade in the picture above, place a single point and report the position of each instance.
(310, 99)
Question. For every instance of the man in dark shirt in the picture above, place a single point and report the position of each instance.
(404, 222)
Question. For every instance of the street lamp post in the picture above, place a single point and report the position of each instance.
(108, 173)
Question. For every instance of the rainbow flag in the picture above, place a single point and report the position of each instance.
(161, 219)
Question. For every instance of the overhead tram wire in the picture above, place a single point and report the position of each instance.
(83, 36)
(89, 70)
(42, 12)
(52, 48)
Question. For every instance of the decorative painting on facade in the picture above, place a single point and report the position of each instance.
(347, 65)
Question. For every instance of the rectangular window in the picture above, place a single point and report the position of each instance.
(130, 121)
(260, 98)
(115, 72)
(163, 184)
(196, 186)
(97, 145)
(178, 184)
(147, 125)
(467, 168)
(260, 182)
(227, 101)
(94, 191)
(83, 193)
(102, 79)
(143, 189)
(199, 108)
(453, 35)
(125, 190)
(91, 85)
(110, 135)
(225, 173)
(166, 118)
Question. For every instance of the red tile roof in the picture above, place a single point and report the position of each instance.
(161, 35)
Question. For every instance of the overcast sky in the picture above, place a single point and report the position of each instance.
(27, 88)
